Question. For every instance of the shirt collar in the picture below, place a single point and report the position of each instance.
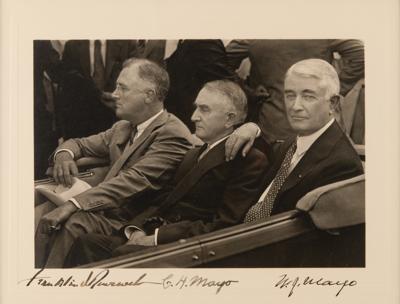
(140, 127)
(209, 147)
(305, 142)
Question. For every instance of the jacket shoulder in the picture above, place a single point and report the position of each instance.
(120, 124)
(174, 126)
(255, 158)
(346, 154)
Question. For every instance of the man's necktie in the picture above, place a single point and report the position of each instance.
(202, 152)
(263, 208)
(99, 70)
(133, 134)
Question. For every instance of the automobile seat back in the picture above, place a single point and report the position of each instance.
(336, 205)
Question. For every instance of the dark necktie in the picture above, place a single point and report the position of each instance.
(201, 151)
(263, 208)
(98, 74)
(133, 134)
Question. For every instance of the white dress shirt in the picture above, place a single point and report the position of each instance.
(303, 144)
(209, 147)
(170, 47)
(142, 126)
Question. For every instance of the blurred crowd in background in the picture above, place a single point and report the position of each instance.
(74, 81)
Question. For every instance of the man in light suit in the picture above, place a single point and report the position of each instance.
(144, 149)
(319, 154)
(208, 193)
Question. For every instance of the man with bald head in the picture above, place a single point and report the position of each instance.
(320, 154)
(144, 149)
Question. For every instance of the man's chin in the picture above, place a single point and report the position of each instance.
(119, 114)
(200, 136)
(299, 130)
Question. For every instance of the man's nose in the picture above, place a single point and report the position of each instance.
(297, 103)
(195, 116)
(115, 94)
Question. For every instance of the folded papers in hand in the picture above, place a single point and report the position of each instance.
(59, 194)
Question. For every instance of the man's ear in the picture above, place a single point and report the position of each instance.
(231, 121)
(150, 96)
(335, 103)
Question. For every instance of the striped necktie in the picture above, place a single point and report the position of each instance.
(263, 208)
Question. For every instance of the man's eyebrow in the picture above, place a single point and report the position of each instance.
(288, 91)
(200, 105)
(309, 91)
(120, 83)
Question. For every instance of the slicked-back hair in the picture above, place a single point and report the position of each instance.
(319, 69)
(234, 93)
(151, 72)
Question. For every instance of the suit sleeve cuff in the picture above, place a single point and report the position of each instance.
(75, 202)
(64, 150)
(129, 230)
(258, 134)
(156, 236)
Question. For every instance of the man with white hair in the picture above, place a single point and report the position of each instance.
(208, 192)
(320, 154)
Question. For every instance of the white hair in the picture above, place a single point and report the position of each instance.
(234, 93)
(319, 69)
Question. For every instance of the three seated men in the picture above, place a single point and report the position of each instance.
(320, 154)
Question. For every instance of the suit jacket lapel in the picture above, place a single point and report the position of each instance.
(187, 164)
(122, 137)
(213, 158)
(318, 151)
(160, 120)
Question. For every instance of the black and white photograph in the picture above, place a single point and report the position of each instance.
(201, 152)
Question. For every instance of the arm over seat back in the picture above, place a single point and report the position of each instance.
(336, 205)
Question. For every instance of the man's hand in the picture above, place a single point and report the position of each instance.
(108, 100)
(243, 136)
(64, 168)
(135, 236)
(52, 220)
(140, 238)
